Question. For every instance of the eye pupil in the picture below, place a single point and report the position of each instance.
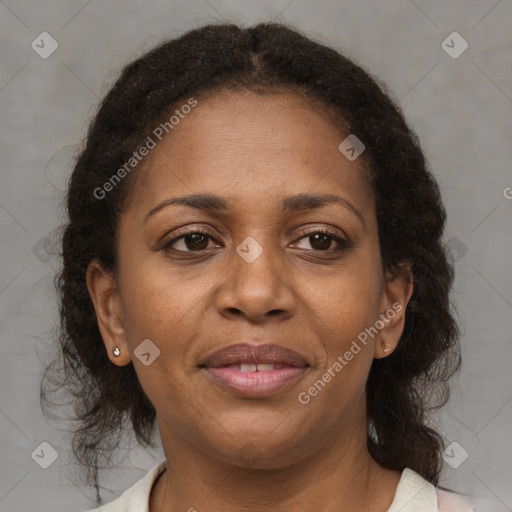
(324, 239)
(196, 238)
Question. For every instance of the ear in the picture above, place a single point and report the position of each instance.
(397, 291)
(107, 304)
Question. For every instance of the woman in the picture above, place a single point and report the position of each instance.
(253, 263)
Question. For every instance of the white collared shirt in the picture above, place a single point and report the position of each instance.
(413, 494)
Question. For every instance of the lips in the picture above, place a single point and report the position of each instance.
(254, 370)
(245, 354)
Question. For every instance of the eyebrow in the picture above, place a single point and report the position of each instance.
(299, 202)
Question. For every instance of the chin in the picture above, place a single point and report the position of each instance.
(262, 450)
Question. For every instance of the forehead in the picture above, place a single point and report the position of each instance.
(250, 147)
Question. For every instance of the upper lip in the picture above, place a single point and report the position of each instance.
(244, 353)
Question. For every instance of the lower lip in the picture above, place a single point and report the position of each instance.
(255, 384)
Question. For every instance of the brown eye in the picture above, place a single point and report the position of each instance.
(196, 241)
(322, 241)
(192, 241)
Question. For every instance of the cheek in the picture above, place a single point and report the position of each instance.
(158, 304)
(345, 305)
(342, 307)
(164, 309)
(343, 311)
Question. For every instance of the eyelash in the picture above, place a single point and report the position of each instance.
(342, 243)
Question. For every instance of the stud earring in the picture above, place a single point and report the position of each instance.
(385, 346)
(116, 352)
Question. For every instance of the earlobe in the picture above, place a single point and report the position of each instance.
(104, 294)
(385, 346)
(398, 289)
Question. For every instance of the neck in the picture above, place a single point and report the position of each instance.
(341, 476)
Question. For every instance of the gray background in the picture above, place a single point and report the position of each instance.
(460, 107)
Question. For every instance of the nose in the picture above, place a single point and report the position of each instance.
(257, 290)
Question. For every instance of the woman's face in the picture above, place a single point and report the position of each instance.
(262, 271)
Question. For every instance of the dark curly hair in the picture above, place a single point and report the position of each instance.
(402, 388)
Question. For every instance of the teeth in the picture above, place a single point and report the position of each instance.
(247, 367)
(262, 367)
(266, 367)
